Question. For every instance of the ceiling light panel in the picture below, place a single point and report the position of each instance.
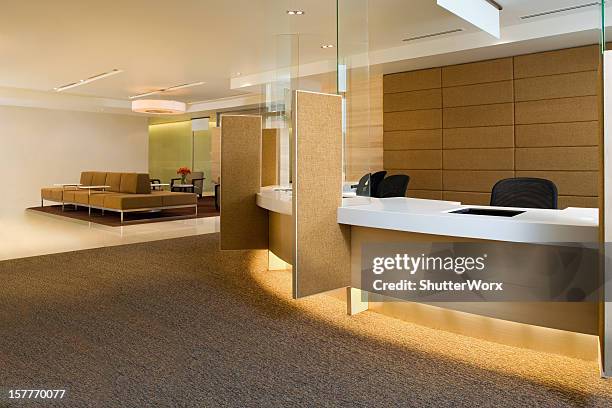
(296, 12)
(421, 37)
(561, 10)
(169, 89)
(88, 80)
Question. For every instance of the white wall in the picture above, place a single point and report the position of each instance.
(39, 147)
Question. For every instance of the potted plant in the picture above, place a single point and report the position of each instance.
(183, 172)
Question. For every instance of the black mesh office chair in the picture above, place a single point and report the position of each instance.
(369, 184)
(525, 192)
(394, 186)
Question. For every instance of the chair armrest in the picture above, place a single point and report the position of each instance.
(198, 179)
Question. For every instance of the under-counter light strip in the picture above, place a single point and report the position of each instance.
(561, 10)
(420, 37)
(88, 80)
(172, 88)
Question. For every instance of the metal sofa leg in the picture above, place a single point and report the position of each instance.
(89, 211)
(122, 217)
(42, 203)
(196, 210)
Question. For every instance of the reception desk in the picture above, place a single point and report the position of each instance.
(525, 324)
(409, 220)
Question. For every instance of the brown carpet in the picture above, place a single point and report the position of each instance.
(178, 323)
(206, 208)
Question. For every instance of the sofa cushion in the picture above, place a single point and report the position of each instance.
(86, 178)
(52, 194)
(81, 197)
(132, 201)
(97, 199)
(170, 199)
(135, 183)
(114, 181)
(98, 178)
(69, 195)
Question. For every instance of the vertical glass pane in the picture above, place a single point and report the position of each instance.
(353, 83)
(202, 152)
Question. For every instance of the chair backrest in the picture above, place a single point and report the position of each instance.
(394, 186)
(525, 192)
(363, 187)
(198, 184)
(369, 184)
(375, 181)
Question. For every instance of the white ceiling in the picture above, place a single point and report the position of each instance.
(45, 44)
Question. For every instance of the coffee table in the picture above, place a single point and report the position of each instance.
(188, 188)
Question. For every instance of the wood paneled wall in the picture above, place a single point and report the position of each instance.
(456, 130)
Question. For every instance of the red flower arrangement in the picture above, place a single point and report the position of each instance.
(183, 171)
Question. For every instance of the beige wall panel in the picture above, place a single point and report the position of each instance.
(558, 134)
(475, 116)
(244, 225)
(557, 62)
(479, 137)
(467, 197)
(322, 259)
(556, 86)
(574, 183)
(558, 158)
(477, 72)
(413, 139)
(413, 120)
(579, 109)
(480, 94)
(479, 159)
(413, 159)
(424, 194)
(577, 201)
(473, 180)
(413, 80)
(421, 179)
(414, 100)
(269, 157)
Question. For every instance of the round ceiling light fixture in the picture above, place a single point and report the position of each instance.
(159, 107)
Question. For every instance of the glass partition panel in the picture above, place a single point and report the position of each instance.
(362, 150)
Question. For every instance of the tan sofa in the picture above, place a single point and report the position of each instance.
(126, 192)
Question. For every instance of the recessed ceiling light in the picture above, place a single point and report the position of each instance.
(238, 74)
(296, 12)
(88, 80)
(171, 88)
(325, 46)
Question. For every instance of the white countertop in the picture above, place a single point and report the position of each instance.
(276, 198)
(279, 198)
(433, 217)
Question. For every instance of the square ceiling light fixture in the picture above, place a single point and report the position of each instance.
(481, 13)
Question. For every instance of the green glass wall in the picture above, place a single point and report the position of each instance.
(174, 145)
